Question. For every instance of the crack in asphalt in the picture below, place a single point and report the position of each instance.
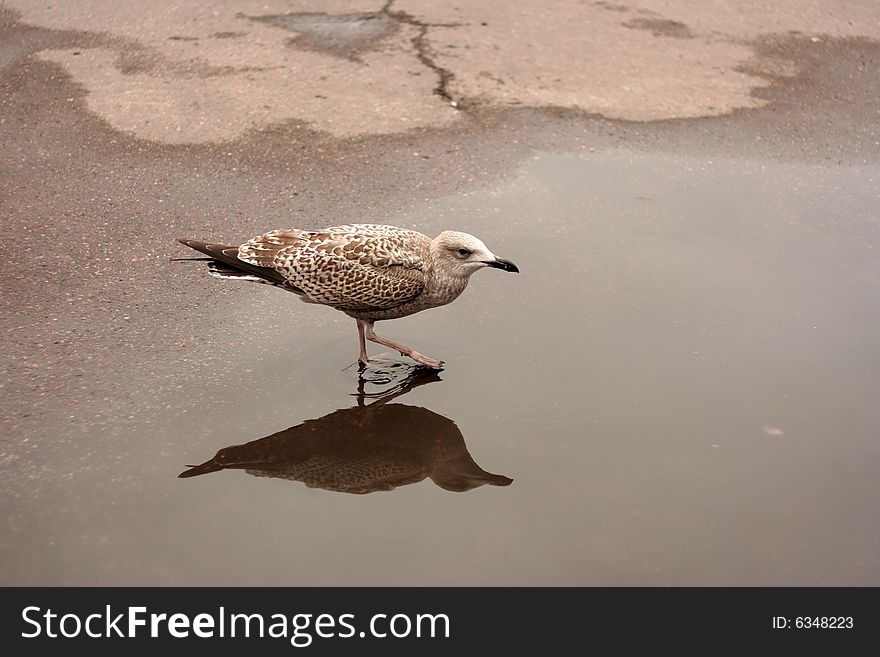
(424, 52)
(349, 45)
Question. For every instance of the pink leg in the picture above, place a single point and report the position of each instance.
(403, 349)
(363, 359)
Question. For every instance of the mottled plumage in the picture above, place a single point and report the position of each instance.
(368, 271)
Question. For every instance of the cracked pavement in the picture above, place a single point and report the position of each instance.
(212, 71)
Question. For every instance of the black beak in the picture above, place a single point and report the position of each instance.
(501, 263)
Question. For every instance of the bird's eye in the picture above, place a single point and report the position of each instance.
(463, 252)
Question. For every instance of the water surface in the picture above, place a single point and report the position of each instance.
(680, 388)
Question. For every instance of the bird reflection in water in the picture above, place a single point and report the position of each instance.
(375, 446)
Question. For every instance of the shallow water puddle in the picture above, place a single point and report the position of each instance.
(681, 384)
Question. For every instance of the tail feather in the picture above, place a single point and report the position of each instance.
(218, 269)
(225, 263)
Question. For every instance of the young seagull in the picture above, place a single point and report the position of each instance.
(368, 271)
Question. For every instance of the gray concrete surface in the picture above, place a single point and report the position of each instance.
(124, 128)
(202, 72)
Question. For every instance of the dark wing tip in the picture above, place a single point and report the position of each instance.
(217, 251)
(193, 244)
(228, 255)
(196, 470)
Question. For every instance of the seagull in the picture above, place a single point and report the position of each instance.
(370, 272)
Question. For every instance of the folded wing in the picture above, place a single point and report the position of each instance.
(355, 267)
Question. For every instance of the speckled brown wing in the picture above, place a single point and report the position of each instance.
(357, 267)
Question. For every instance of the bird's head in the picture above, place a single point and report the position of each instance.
(461, 254)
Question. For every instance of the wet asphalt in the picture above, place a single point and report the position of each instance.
(693, 405)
